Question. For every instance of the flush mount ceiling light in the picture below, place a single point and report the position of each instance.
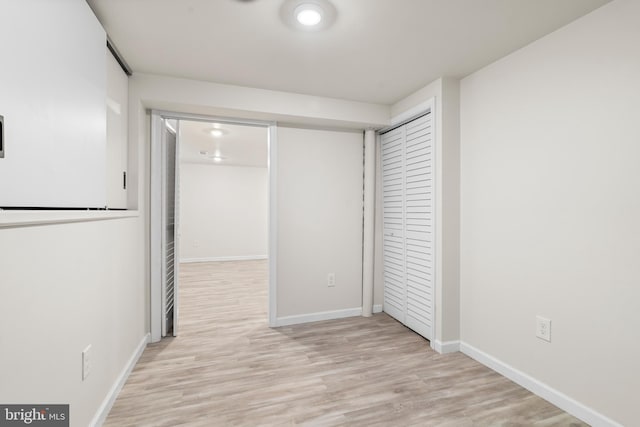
(308, 15)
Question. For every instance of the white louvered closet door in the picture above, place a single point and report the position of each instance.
(408, 224)
(419, 225)
(395, 289)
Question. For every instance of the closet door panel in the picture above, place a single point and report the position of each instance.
(394, 277)
(393, 224)
(419, 226)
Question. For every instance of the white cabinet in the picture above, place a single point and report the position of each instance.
(52, 97)
(408, 228)
(117, 133)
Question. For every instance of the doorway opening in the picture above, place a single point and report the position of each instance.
(212, 201)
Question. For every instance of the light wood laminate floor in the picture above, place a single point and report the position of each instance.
(228, 368)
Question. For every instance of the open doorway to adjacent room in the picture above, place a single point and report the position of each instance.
(211, 213)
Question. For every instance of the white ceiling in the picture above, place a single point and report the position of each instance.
(240, 146)
(377, 51)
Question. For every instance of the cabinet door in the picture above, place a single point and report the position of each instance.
(419, 241)
(117, 133)
(52, 97)
(393, 223)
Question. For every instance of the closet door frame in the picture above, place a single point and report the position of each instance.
(427, 107)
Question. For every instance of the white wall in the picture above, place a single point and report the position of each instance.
(64, 287)
(223, 212)
(448, 214)
(319, 220)
(550, 208)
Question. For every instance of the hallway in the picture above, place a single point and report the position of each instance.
(227, 368)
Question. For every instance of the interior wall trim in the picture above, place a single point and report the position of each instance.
(316, 317)
(446, 346)
(224, 258)
(103, 411)
(561, 400)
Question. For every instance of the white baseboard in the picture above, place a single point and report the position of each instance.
(446, 347)
(316, 317)
(377, 308)
(561, 400)
(223, 258)
(108, 402)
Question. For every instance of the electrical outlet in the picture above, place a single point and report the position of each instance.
(543, 328)
(86, 362)
(331, 280)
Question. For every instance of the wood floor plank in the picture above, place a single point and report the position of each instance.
(228, 368)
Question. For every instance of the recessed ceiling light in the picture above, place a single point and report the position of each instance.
(215, 157)
(215, 130)
(308, 14)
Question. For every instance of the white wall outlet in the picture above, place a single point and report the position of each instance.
(86, 362)
(543, 328)
(331, 280)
